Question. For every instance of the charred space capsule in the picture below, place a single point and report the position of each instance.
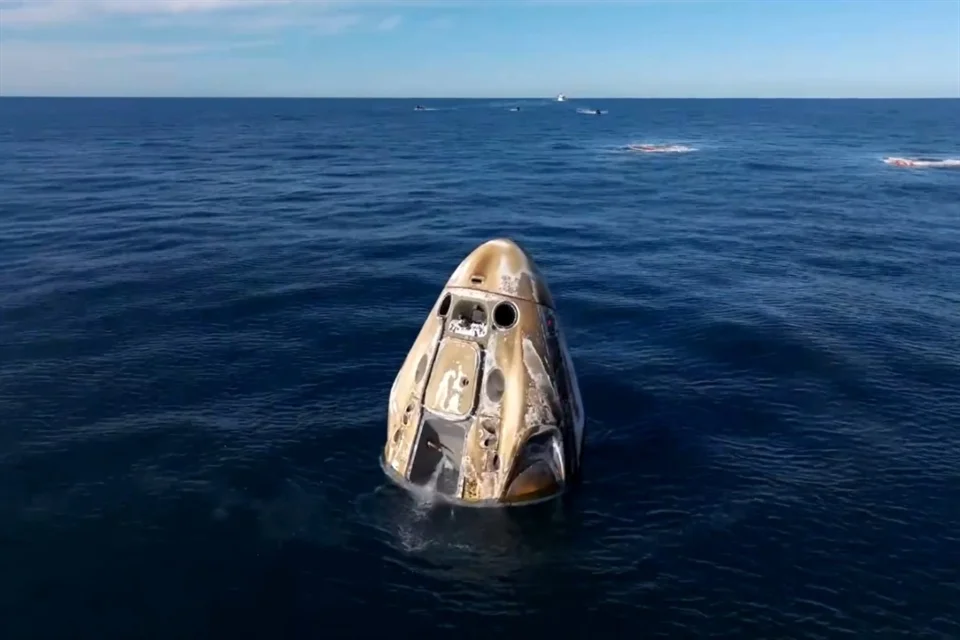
(486, 409)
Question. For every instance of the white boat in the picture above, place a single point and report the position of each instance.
(561, 98)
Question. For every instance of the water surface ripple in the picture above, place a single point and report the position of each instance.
(203, 304)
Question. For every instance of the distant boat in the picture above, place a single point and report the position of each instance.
(561, 98)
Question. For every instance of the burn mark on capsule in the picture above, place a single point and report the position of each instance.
(498, 400)
(525, 287)
(543, 406)
(452, 385)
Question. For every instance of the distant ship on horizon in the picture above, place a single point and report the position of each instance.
(561, 98)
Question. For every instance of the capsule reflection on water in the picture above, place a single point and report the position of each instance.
(486, 409)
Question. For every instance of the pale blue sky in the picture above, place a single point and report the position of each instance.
(484, 48)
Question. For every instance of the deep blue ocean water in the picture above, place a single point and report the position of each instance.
(203, 304)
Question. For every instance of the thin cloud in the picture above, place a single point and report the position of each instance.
(331, 25)
(41, 12)
(390, 23)
(323, 23)
(47, 12)
(22, 50)
(237, 17)
(25, 13)
(38, 12)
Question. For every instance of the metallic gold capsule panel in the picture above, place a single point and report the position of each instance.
(486, 407)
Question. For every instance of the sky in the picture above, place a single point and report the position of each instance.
(481, 48)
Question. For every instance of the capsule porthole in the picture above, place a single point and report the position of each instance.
(495, 384)
(504, 315)
(444, 306)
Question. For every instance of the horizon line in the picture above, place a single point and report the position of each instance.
(537, 97)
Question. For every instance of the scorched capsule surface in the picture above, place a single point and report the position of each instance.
(486, 409)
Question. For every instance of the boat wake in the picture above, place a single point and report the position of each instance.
(660, 148)
(946, 163)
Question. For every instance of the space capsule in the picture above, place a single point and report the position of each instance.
(486, 409)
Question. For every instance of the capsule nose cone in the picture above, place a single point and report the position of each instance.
(502, 267)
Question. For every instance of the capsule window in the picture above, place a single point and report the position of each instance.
(469, 312)
(421, 368)
(495, 384)
(444, 305)
(504, 315)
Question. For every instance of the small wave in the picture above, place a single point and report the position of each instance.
(591, 112)
(660, 148)
(780, 167)
(951, 163)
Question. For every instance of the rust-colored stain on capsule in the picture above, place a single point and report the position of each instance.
(486, 407)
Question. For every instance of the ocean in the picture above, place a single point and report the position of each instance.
(203, 304)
